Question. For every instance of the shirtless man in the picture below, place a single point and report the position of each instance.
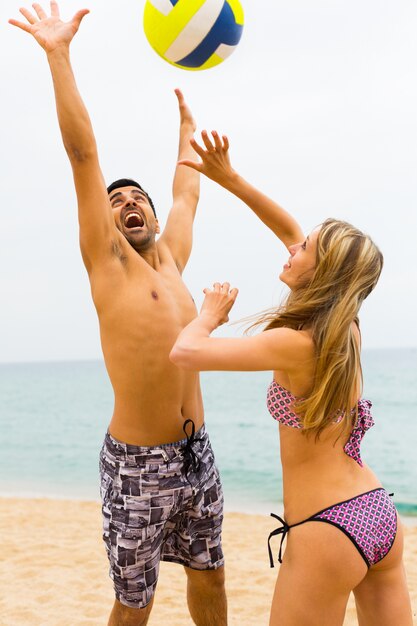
(162, 498)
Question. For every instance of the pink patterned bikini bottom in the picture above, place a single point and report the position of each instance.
(369, 520)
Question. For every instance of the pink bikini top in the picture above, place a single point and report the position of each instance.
(279, 401)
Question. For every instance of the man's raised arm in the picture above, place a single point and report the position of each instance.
(54, 36)
(178, 232)
(215, 164)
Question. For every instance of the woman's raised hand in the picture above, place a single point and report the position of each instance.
(215, 160)
(49, 31)
(218, 303)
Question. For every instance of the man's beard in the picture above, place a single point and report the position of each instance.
(141, 244)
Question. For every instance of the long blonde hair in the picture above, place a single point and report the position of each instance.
(348, 267)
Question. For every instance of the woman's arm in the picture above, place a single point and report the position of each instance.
(276, 349)
(215, 164)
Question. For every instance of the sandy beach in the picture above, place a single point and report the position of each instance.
(54, 572)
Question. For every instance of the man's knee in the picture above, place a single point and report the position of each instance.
(122, 615)
(207, 581)
(206, 597)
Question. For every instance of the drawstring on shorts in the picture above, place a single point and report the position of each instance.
(191, 460)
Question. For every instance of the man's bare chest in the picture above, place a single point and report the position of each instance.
(155, 300)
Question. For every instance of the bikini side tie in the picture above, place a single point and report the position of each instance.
(282, 530)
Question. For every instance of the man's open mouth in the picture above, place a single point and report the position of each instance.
(133, 220)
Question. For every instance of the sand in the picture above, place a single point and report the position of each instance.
(54, 572)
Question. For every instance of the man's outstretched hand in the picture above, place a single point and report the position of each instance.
(186, 117)
(50, 32)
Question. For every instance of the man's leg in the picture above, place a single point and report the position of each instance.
(196, 540)
(122, 615)
(133, 528)
(206, 597)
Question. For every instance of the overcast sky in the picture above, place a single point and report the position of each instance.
(319, 102)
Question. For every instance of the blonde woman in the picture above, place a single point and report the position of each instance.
(342, 529)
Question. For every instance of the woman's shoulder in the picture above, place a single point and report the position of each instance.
(298, 344)
(301, 338)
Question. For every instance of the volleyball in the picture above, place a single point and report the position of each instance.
(193, 34)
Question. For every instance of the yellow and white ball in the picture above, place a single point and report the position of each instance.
(193, 34)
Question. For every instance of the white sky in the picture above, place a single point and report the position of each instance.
(319, 102)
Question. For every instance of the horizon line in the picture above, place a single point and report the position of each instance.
(101, 359)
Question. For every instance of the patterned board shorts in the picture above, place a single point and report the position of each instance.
(157, 506)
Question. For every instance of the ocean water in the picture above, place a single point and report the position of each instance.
(53, 417)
